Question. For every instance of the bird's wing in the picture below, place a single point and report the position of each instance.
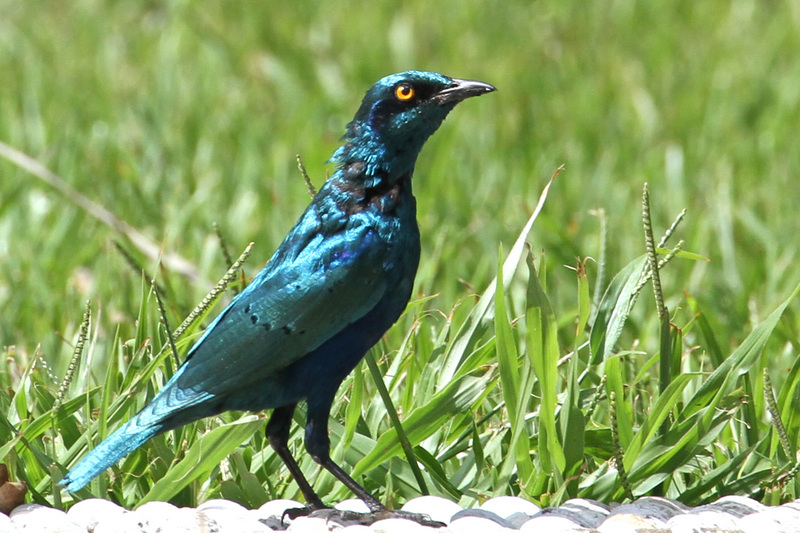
(290, 308)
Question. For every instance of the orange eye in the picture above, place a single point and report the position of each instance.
(404, 92)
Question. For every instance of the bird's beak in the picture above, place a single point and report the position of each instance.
(461, 90)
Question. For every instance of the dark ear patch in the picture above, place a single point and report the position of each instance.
(424, 91)
(384, 108)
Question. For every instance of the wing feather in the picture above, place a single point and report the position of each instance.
(290, 308)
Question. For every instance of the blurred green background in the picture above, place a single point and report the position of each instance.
(178, 115)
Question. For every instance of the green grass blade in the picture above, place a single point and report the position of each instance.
(514, 396)
(788, 402)
(396, 424)
(715, 477)
(469, 333)
(739, 362)
(615, 383)
(656, 417)
(584, 301)
(542, 349)
(614, 308)
(665, 354)
(683, 443)
(455, 400)
(571, 418)
(251, 486)
(203, 457)
(353, 410)
(710, 342)
(506, 348)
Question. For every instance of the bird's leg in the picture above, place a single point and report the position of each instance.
(372, 502)
(318, 446)
(278, 436)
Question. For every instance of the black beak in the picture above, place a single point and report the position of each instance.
(461, 90)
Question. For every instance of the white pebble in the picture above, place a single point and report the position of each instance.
(358, 528)
(580, 516)
(397, 525)
(26, 509)
(629, 523)
(737, 506)
(654, 507)
(125, 523)
(306, 524)
(517, 519)
(237, 524)
(5, 524)
(233, 520)
(590, 505)
(271, 513)
(222, 505)
(353, 504)
(32, 517)
(189, 520)
(183, 520)
(703, 520)
(772, 519)
(505, 506)
(156, 509)
(502, 514)
(483, 514)
(88, 513)
(792, 505)
(588, 513)
(472, 524)
(227, 515)
(551, 524)
(438, 508)
(276, 508)
(788, 509)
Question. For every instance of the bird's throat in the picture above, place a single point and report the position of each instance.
(380, 193)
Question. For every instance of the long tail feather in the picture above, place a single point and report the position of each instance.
(122, 442)
(172, 407)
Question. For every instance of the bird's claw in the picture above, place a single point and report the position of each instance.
(296, 512)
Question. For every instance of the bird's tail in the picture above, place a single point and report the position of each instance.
(172, 407)
(122, 442)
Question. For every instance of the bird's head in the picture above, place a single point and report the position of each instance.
(397, 116)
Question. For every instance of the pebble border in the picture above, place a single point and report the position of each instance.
(502, 514)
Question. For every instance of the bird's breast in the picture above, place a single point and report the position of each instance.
(378, 221)
(354, 192)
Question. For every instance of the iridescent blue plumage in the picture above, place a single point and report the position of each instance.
(338, 281)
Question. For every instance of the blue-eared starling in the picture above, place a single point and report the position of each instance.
(340, 279)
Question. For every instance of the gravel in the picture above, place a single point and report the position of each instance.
(502, 514)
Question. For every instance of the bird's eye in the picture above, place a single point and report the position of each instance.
(404, 92)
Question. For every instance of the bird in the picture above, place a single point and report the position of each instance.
(341, 277)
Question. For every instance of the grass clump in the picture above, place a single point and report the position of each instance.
(490, 404)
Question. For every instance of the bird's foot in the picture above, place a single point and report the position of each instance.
(346, 518)
(296, 512)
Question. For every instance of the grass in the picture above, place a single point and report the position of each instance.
(177, 116)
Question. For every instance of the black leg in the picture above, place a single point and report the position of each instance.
(278, 436)
(318, 445)
(372, 502)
